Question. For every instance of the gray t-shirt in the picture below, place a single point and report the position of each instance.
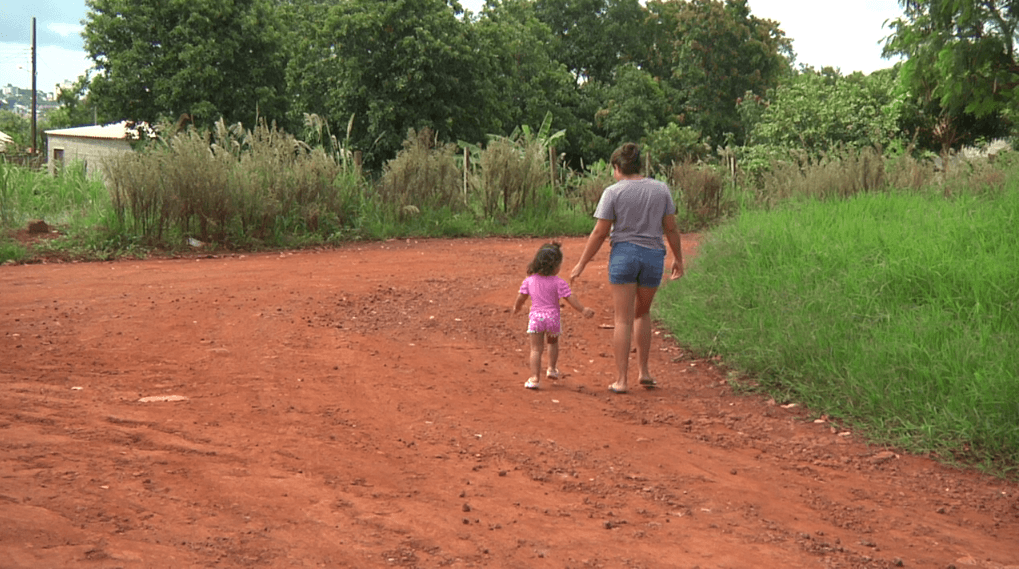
(636, 209)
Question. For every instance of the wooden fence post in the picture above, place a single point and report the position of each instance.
(552, 165)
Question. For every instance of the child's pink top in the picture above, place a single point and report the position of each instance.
(545, 292)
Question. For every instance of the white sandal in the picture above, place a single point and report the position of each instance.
(531, 383)
(552, 374)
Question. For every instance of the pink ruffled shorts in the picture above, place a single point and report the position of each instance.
(546, 321)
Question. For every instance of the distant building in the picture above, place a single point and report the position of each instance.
(12, 91)
(91, 144)
(6, 143)
(61, 87)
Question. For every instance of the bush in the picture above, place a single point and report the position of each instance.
(424, 175)
(672, 144)
(511, 174)
(589, 187)
(700, 190)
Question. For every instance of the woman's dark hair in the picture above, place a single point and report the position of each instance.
(548, 257)
(627, 157)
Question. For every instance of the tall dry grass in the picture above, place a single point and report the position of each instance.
(512, 171)
(227, 184)
(701, 191)
(424, 175)
(831, 175)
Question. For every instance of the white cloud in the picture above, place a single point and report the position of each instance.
(65, 30)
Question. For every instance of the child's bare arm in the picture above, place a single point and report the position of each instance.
(587, 312)
(521, 299)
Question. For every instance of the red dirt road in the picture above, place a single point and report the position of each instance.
(364, 407)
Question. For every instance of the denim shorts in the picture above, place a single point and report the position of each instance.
(629, 263)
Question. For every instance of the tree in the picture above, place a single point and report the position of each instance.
(961, 67)
(634, 105)
(711, 53)
(17, 127)
(968, 44)
(593, 37)
(822, 111)
(76, 107)
(525, 81)
(158, 59)
(308, 73)
(395, 66)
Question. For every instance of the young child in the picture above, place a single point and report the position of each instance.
(545, 289)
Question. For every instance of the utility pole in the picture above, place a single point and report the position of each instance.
(35, 149)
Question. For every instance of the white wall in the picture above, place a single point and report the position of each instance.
(91, 151)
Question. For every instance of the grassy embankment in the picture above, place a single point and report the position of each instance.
(895, 313)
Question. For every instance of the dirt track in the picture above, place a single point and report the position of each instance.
(363, 407)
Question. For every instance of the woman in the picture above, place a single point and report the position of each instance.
(635, 213)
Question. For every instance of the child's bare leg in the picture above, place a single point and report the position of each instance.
(537, 347)
(553, 357)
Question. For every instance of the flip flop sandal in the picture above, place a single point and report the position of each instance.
(648, 383)
(531, 383)
(552, 374)
(615, 389)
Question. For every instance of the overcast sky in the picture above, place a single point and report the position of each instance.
(846, 35)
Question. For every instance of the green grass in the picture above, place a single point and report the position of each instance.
(72, 201)
(897, 313)
(69, 198)
(12, 251)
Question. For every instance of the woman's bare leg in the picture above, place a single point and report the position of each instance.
(642, 328)
(623, 299)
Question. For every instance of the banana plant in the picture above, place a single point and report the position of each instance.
(523, 136)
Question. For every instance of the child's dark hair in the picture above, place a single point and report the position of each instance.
(546, 260)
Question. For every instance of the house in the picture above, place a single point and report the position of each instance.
(91, 144)
(7, 143)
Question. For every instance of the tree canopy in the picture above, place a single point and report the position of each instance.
(969, 45)
(712, 53)
(395, 66)
(960, 69)
(607, 71)
(526, 81)
(817, 111)
(593, 37)
(163, 58)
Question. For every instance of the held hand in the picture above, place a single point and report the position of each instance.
(588, 312)
(677, 270)
(575, 273)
